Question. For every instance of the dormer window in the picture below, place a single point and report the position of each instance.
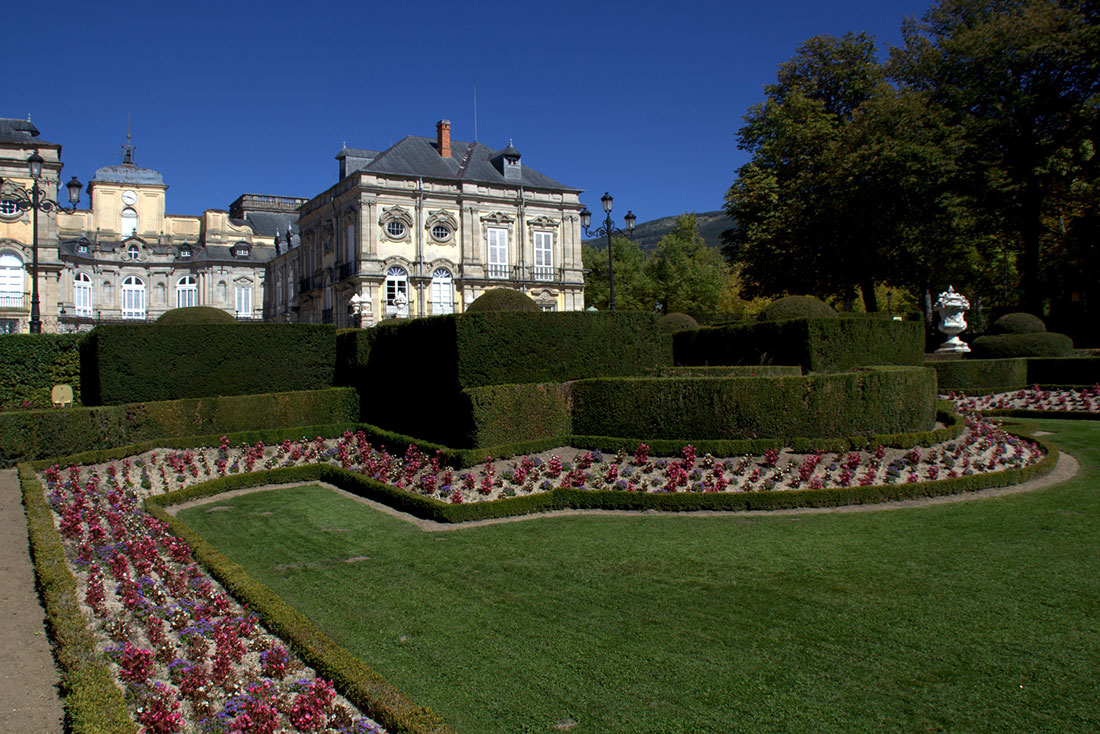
(133, 252)
(185, 252)
(82, 249)
(240, 250)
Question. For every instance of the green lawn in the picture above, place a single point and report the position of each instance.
(976, 616)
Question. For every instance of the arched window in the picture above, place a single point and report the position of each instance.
(129, 223)
(187, 292)
(133, 298)
(108, 292)
(160, 295)
(442, 292)
(221, 292)
(82, 294)
(397, 292)
(11, 281)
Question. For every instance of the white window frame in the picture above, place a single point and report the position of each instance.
(397, 281)
(12, 281)
(243, 301)
(82, 294)
(497, 241)
(187, 292)
(133, 252)
(544, 256)
(128, 222)
(442, 292)
(133, 298)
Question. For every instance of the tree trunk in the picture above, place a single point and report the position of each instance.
(870, 301)
(1031, 237)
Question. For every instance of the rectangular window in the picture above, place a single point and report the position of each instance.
(544, 256)
(352, 245)
(82, 298)
(133, 302)
(498, 253)
(244, 302)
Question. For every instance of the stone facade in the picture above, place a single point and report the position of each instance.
(124, 258)
(423, 228)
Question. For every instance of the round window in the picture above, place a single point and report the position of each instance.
(8, 208)
(395, 229)
(441, 232)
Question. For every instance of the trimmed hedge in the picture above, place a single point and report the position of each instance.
(36, 434)
(797, 307)
(500, 413)
(503, 299)
(31, 364)
(1018, 323)
(759, 370)
(93, 701)
(195, 315)
(416, 370)
(138, 363)
(1041, 344)
(881, 400)
(676, 321)
(971, 374)
(817, 345)
(1063, 370)
(363, 687)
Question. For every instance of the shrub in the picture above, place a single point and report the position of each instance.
(674, 322)
(1018, 323)
(972, 374)
(124, 363)
(1042, 344)
(886, 400)
(35, 434)
(503, 299)
(501, 414)
(797, 307)
(195, 315)
(31, 364)
(817, 345)
(758, 370)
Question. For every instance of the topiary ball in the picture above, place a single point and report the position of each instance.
(797, 307)
(674, 322)
(1038, 344)
(503, 299)
(195, 315)
(1018, 323)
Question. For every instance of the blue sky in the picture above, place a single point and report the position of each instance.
(642, 99)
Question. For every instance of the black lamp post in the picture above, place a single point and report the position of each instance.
(608, 229)
(32, 200)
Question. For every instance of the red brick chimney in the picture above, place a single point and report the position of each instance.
(443, 137)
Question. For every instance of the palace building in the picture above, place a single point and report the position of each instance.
(424, 228)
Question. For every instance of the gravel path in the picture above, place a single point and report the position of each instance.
(29, 701)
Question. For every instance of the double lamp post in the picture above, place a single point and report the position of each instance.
(608, 229)
(34, 201)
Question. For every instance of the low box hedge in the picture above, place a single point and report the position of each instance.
(759, 370)
(880, 400)
(31, 364)
(144, 363)
(971, 374)
(816, 345)
(36, 434)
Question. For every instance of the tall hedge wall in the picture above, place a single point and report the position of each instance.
(35, 434)
(817, 345)
(416, 370)
(973, 374)
(1063, 370)
(504, 414)
(886, 400)
(143, 363)
(31, 364)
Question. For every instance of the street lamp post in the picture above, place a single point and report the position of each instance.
(608, 229)
(32, 200)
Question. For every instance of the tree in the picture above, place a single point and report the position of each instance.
(796, 229)
(1019, 80)
(633, 290)
(685, 274)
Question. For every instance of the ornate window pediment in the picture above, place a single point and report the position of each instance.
(498, 218)
(441, 225)
(542, 222)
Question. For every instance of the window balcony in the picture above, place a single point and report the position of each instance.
(543, 273)
(11, 300)
(498, 271)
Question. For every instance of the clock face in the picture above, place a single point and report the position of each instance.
(129, 198)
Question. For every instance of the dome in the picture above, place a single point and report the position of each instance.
(128, 173)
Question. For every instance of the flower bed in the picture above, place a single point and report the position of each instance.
(189, 658)
(1036, 399)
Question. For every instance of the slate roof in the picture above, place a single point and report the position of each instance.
(127, 173)
(418, 156)
(267, 224)
(20, 131)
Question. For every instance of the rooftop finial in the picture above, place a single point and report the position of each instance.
(28, 117)
(128, 148)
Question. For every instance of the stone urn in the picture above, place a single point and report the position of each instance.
(952, 308)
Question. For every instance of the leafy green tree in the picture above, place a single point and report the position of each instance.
(686, 275)
(633, 289)
(1019, 81)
